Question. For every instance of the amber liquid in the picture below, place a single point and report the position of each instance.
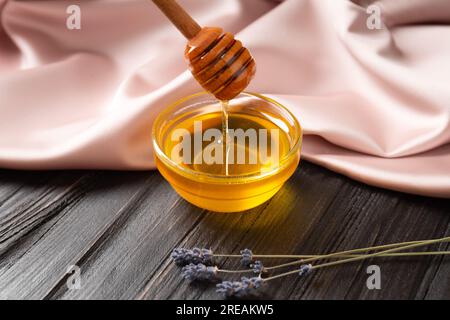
(243, 191)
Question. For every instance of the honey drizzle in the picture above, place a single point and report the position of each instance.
(225, 133)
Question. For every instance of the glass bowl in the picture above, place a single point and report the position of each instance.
(232, 186)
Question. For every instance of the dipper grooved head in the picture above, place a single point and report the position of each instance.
(220, 63)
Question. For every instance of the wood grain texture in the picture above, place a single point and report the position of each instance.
(120, 227)
(179, 17)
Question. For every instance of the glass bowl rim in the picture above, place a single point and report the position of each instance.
(284, 161)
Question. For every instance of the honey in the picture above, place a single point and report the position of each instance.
(227, 158)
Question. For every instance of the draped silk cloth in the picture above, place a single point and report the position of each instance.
(374, 104)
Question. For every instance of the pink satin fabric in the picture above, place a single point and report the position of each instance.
(374, 104)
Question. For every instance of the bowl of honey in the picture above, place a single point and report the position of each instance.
(226, 156)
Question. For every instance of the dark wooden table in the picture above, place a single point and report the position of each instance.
(120, 227)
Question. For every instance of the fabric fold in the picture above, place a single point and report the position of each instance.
(374, 103)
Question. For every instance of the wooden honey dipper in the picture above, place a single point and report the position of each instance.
(217, 61)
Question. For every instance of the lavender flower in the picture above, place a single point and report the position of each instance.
(258, 267)
(304, 270)
(194, 272)
(247, 256)
(184, 256)
(241, 288)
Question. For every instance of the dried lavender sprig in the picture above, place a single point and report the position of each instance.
(247, 255)
(304, 270)
(401, 246)
(425, 243)
(245, 287)
(183, 256)
(199, 271)
(210, 272)
(193, 272)
(363, 257)
(249, 286)
(306, 256)
(397, 254)
(258, 267)
(205, 256)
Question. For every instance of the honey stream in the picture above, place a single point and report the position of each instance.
(225, 134)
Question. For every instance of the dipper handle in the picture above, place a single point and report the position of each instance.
(218, 61)
(179, 17)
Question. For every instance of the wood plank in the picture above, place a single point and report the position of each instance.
(34, 198)
(276, 226)
(384, 217)
(44, 265)
(121, 227)
(437, 283)
(312, 221)
(121, 265)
